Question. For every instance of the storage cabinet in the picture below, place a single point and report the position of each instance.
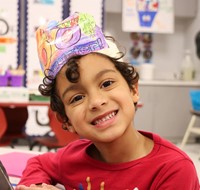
(165, 111)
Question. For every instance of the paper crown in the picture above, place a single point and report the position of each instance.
(78, 34)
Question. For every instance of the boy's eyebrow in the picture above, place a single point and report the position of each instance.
(75, 86)
(104, 72)
(72, 87)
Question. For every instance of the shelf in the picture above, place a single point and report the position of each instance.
(169, 83)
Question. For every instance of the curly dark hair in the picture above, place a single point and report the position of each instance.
(48, 88)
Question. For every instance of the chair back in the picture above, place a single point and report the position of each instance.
(16, 120)
(3, 123)
(63, 136)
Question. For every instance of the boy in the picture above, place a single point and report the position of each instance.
(95, 93)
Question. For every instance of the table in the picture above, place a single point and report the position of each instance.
(11, 166)
(14, 171)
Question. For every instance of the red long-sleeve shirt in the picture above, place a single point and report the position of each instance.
(166, 167)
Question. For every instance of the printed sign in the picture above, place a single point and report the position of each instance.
(156, 16)
(9, 31)
(39, 12)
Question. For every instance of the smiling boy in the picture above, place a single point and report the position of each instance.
(95, 94)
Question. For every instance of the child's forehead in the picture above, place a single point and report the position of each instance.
(91, 64)
(94, 62)
(92, 59)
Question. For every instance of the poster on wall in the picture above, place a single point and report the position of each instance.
(93, 7)
(39, 12)
(9, 35)
(151, 16)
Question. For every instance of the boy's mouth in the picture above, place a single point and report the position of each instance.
(104, 118)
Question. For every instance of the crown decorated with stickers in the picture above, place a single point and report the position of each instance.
(78, 34)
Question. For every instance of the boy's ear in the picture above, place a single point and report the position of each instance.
(70, 127)
(135, 93)
(66, 125)
(59, 118)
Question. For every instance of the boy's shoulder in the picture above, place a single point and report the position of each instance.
(77, 145)
(164, 147)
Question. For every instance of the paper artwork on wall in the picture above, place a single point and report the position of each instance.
(9, 35)
(93, 7)
(39, 12)
(155, 16)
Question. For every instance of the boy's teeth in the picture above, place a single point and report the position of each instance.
(104, 118)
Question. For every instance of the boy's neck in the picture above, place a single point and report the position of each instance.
(135, 146)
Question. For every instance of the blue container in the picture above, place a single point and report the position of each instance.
(195, 99)
(146, 14)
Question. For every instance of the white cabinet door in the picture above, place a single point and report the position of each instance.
(166, 110)
(144, 117)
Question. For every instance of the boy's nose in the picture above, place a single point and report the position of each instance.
(97, 100)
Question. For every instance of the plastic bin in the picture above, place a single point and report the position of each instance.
(147, 71)
(195, 99)
(16, 80)
(3, 80)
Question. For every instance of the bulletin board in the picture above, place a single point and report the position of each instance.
(152, 16)
(9, 34)
(39, 12)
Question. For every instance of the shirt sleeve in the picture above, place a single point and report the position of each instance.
(180, 175)
(42, 169)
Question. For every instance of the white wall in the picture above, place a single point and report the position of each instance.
(168, 49)
(193, 26)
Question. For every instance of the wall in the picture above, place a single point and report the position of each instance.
(168, 51)
(168, 48)
(192, 27)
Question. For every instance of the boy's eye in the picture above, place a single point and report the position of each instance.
(107, 83)
(76, 99)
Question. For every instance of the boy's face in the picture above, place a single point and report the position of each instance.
(100, 106)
